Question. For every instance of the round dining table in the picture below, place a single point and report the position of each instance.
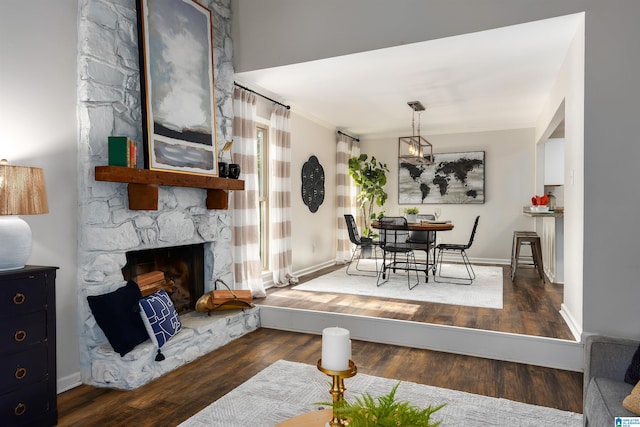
(422, 226)
(426, 225)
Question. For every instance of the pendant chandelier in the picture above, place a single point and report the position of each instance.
(415, 149)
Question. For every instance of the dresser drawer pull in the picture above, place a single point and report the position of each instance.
(20, 409)
(20, 373)
(19, 298)
(20, 336)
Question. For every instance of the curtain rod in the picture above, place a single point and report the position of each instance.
(349, 136)
(259, 94)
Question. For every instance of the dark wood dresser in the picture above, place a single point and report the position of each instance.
(28, 347)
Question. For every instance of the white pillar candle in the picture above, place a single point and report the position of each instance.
(336, 349)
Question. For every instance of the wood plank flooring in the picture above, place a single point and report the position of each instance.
(173, 398)
(530, 307)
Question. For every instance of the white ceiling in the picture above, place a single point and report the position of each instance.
(496, 79)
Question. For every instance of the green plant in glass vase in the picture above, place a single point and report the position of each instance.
(370, 176)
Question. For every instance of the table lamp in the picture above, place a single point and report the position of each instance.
(22, 192)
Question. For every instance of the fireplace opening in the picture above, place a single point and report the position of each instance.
(183, 265)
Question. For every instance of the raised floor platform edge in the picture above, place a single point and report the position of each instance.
(527, 349)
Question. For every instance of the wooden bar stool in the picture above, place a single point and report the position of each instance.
(531, 239)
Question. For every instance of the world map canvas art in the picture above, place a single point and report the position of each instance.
(451, 178)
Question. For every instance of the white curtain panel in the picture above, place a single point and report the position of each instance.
(346, 194)
(280, 197)
(247, 268)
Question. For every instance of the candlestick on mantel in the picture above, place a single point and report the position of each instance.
(336, 349)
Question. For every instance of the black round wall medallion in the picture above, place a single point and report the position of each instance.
(312, 183)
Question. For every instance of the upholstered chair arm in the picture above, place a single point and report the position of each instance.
(607, 357)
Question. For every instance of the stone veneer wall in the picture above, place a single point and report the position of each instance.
(109, 104)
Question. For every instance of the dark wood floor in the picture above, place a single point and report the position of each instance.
(178, 395)
(530, 307)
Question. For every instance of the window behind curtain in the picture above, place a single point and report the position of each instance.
(262, 139)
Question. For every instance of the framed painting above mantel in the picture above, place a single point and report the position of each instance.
(177, 86)
(452, 178)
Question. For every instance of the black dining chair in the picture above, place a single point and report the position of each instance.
(459, 249)
(424, 240)
(360, 243)
(393, 242)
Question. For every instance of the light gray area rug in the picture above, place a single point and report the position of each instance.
(287, 389)
(485, 291)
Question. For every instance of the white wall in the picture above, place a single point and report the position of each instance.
(509, 173)
(567, 101)
(38, 127)
(313, 234)
(279, 32)
(611, 173)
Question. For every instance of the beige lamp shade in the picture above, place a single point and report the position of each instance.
(22, 192)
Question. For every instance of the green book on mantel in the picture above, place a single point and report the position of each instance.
(118, 151)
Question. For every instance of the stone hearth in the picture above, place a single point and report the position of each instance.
(110, 104)
(200, 335)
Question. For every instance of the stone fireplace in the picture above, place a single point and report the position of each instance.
(110, 104)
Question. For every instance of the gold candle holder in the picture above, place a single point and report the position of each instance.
(338, 388)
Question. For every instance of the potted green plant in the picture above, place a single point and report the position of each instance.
(412, 214)
(367, 411)
(370, 176)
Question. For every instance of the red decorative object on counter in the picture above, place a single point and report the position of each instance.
(540, 200)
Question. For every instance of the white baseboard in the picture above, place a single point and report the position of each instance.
(314, 268)
(267, 276)
(576, 330)
(500, 261)
(68, 382)
(454, 258)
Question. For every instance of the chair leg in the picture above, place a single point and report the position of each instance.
(533, 241)
(469, 267)
(358, 250)
(353, 254)
(374, 248)
(513, 256)
(386, 270)
(467, 264)
(438, 263)
(538, 259)
(383, 271)
(415, 269)
(515, 262)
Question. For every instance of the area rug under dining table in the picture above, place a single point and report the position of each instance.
(286, 389)
(485, 291)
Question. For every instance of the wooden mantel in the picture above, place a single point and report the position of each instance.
(143, 185)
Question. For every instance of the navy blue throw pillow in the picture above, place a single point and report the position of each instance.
(159, 317)
(118, 315)
(632, 376)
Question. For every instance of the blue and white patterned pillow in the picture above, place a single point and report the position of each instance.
(159, 317)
